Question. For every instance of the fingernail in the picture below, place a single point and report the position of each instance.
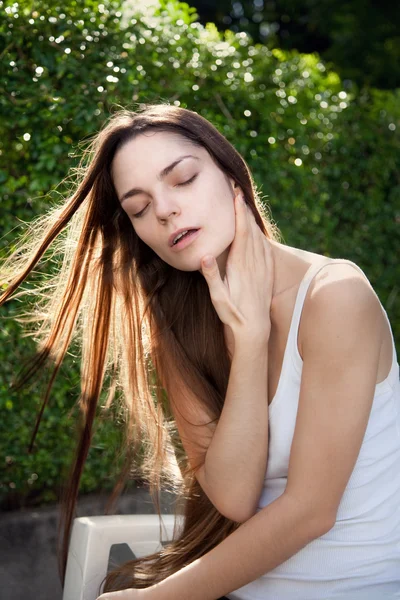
(209, 261)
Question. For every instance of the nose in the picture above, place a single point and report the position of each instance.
(164, 208)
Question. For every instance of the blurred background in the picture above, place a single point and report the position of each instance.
(308, 93)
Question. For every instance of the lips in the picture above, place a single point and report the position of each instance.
(186, 240)
(177, 232)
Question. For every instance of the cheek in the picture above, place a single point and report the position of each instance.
(141, 233)
(223, 227)
(156, 243)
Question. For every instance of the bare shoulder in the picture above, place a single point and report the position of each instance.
(339, 282)
(339, 297)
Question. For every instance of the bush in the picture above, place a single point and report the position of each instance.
(327, 162)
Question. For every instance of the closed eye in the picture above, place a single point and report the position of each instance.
(139, 214)
(188, 181)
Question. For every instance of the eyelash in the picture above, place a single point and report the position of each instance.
(139, 214)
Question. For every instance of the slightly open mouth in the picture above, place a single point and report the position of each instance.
(185, 236)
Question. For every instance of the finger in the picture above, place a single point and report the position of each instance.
(210, 269)
(243, 243)
(242, 224)
(258, 235)
(218, 291)
(246, 228)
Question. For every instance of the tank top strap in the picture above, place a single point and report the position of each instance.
(301, 295)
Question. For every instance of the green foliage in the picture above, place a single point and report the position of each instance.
(360, 37)
(327, 162)
(35, 478)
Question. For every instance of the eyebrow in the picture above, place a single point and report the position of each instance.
(161, 176)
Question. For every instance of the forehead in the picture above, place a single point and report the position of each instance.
(147, 154)
(159, 145)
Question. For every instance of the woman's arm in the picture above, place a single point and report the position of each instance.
(236, 459)
(259, 545)
(233, 452)
(342, 339)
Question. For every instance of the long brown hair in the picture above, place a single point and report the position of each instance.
(141, 325)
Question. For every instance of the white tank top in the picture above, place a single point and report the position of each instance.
(359, 558)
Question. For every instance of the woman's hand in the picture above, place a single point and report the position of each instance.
(243, 299)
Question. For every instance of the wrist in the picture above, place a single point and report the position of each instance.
(251, 340)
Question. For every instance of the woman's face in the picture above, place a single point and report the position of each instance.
(166, 205)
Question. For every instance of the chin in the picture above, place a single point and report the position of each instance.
(193, 265)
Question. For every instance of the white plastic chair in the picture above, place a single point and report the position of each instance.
(92, 539)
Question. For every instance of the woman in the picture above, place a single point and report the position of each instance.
(279, 367)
